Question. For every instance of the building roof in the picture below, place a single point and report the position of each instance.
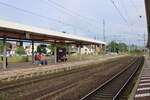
(7, 28)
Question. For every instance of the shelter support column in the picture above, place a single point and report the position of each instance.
(104, 48)
(4, 53)
(55, 53)
(69, 50)
(33, 58)
(80, 52)
(95, 50)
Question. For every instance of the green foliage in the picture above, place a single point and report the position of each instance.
(41, 49)
(18, 59)
(1, 48)
(137, 52)
(51, 47)
(112, 46)
(20, 50)
(117, 47)
(122, 47)
(8, 45)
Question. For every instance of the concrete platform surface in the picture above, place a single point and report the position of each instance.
(24, 71)
(143, 88)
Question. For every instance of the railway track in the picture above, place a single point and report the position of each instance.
(68, 80)
(61, 90)
(112, 89)
(19, 83)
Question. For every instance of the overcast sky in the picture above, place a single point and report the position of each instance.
(82, 17)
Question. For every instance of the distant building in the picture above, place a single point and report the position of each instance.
(89, 49)
(13, 50)
(28, 50)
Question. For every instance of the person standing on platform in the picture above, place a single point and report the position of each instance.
(36, 58)
(39, 58)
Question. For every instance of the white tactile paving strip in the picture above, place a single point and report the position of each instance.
(142, 95)
(145, 80)
(144, 84)
(143, 90)
(140, 89)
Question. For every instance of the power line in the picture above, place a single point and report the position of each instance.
(124, 7)
(121, 15)
(133, 4)
(119, 12)
(73, 13)
(104, 38)
(68, 13)
(36, 14)
(29, 12)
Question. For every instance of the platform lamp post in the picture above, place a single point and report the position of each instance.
(4, 53)
(80, 52)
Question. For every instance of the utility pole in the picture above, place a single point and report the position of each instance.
(104, 39)
(104, 35)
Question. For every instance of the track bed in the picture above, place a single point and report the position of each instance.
(67, 85)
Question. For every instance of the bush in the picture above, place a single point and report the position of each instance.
(20, 50)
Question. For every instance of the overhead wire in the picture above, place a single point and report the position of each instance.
(69, 12)
(130, 25)
(26, 11)
(119, 12)
(74, 14)
(133, 4)
(36, 14)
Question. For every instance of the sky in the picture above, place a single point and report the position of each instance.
(83, 18)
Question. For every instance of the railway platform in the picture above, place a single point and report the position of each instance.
(143, 88)
(18, 71)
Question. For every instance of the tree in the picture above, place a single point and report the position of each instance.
(122, 47)
(8, 45)
(1, 48)
(20, 50)
(51, 47)
(41, 49)
(113, 46)
(117, 47)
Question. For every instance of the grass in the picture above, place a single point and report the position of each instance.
(18, 59)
